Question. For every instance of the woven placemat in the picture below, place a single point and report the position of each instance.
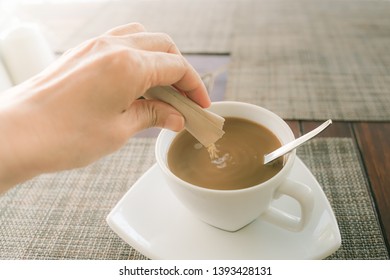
(201, 26)
(303, 59)
(62, 216)
(308, 59)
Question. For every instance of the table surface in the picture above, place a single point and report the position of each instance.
(371, 139)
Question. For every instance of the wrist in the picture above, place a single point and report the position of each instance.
(18, 151)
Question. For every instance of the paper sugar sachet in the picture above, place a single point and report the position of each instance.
(204, 125)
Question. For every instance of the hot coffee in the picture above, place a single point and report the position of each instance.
(239, 163)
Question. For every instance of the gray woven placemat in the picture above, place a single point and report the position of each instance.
(303, 59)
(200, 26)
(308, 59)
(62, 216)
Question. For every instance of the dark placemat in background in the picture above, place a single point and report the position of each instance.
(313, 60)
(303, 59)
(201, 26)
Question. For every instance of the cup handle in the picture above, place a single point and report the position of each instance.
(301, 193)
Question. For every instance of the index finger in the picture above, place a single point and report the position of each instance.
(126, 29)
(173, 69)
(192, 85)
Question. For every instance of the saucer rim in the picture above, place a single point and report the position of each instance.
(119, 227)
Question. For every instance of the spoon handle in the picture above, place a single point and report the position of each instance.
(296, 143)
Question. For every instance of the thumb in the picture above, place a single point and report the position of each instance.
(145, 113)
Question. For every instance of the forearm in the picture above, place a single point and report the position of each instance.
(11, 172)
(18, 150)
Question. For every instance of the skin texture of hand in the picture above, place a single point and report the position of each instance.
(86, 104)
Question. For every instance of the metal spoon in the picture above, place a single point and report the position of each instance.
(296, 143)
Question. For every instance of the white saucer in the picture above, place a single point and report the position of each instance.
(154, 222)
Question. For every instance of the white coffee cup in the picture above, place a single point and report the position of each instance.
(233, 209)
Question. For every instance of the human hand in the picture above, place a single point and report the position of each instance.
(85, 105)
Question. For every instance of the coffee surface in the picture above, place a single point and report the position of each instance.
(239, 161)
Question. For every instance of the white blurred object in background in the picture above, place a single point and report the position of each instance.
(5, 81)
(25, 51)
(5, 20)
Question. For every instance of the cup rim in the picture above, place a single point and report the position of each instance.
(290, 157)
